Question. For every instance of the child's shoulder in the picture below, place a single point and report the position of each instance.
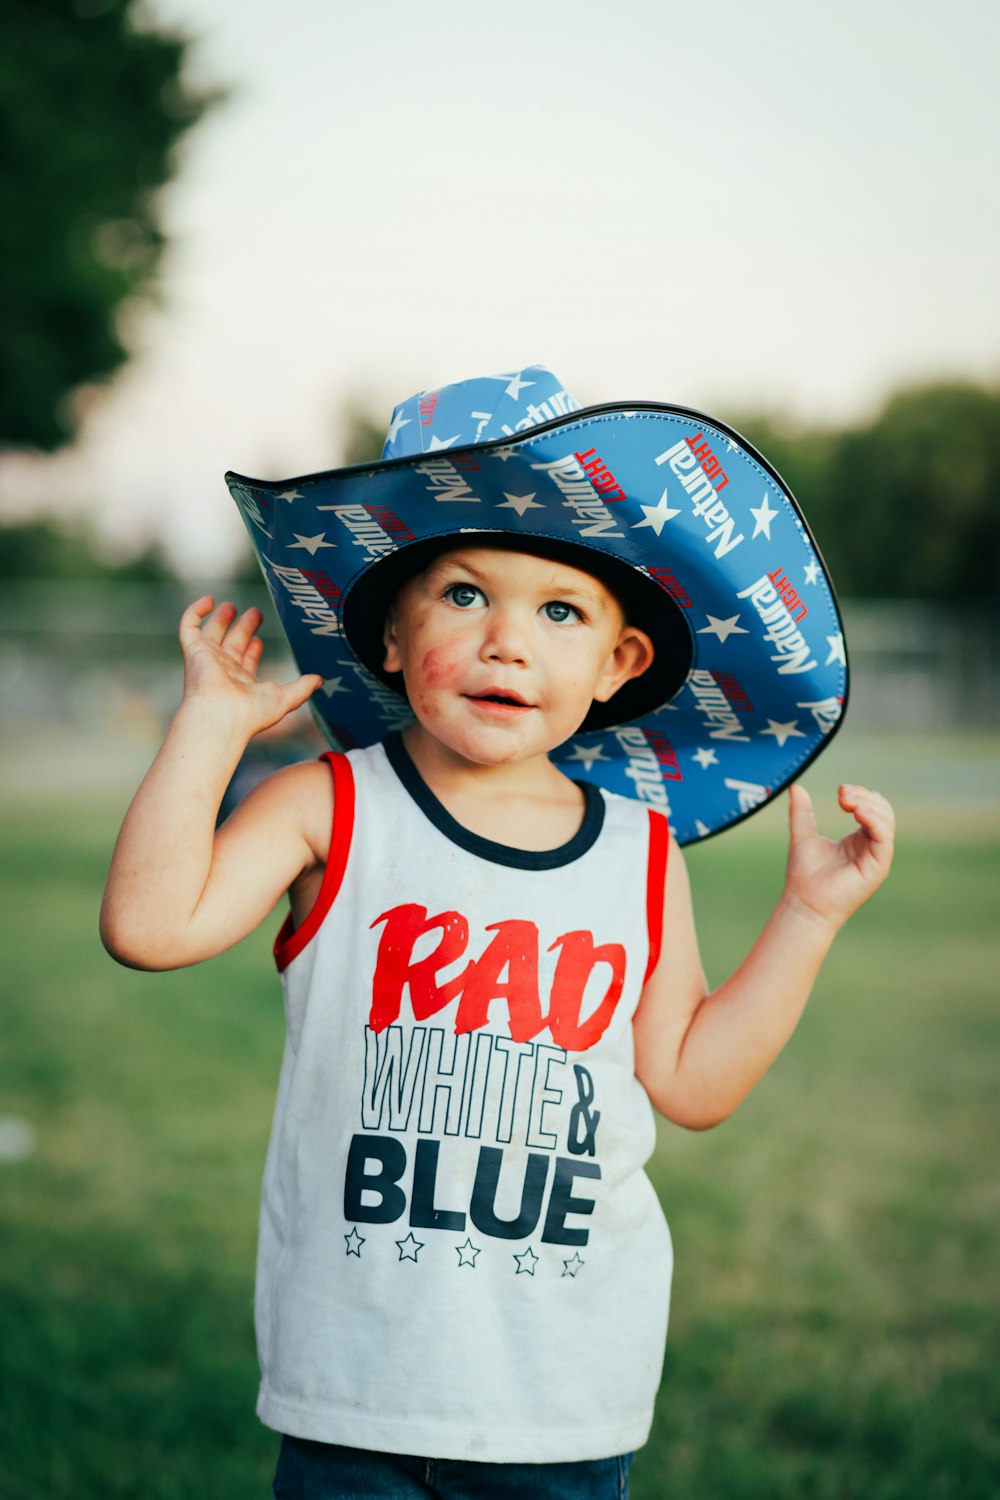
(299, 796)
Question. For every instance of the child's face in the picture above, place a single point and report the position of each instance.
(503, 652)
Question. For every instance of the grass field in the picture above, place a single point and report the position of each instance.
(834, 1330)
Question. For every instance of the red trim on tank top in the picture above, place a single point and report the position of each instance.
(656, 874)
(291, 939)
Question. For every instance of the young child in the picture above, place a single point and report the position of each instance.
(463, 1273)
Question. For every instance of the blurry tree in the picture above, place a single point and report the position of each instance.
(916, 496)
(91, 108)
(43, 548)
(364, 435)
(908, 505)
(802, 457)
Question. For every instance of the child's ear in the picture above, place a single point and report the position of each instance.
(630, 657)
(392, 661)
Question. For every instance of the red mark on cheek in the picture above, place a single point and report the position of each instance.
(442, 666)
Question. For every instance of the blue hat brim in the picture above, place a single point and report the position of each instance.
(679, 515)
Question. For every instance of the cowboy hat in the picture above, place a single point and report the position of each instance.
(687, 524)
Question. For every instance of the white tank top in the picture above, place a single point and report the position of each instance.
(460, 1253)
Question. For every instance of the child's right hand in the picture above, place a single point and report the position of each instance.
(221, 657)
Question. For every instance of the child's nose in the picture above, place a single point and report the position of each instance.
(507, 637)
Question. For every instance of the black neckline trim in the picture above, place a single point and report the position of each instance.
(500, 854)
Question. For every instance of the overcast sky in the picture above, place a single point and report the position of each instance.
(725, 205)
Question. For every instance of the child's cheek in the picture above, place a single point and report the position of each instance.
(441, 667)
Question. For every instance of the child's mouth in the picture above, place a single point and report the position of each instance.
(501, 700)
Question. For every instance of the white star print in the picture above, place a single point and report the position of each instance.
(398, 421)
(702, 828)
(836, 644)
(310, 544)
(354, 1242)
(409, 1248)
(656, 516)
(520, 503)
(812, 571)
(467, 1253)
(723, 629)
(503, 453)
(515, 384)
(334, 685)
(573, 1264)
(763, 515)
(436, 443)
(526, 1262)
(782, 732)
(730, 444)
(290, 495)
(588, 755)
(705, 758)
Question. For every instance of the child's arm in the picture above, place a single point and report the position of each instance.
(177, 891)
(699, 1054)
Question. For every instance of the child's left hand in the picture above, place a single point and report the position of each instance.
(831, 880)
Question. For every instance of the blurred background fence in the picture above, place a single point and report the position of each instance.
(93, 668)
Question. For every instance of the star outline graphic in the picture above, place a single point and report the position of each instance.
(532, 1261)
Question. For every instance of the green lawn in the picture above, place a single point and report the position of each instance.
(834, 1330)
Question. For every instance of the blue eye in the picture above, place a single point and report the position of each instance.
(464, 595)
(560, 612)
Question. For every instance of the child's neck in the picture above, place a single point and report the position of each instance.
(526, 804)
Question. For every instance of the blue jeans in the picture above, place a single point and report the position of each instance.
(324, 1471)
